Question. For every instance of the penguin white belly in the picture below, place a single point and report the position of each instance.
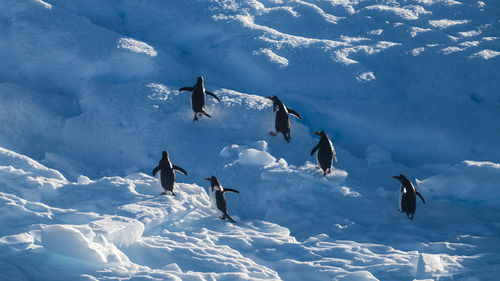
(213, 201)
(401, 194)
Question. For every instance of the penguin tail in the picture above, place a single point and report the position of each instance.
(195, 117)
(226, 216)
(172, 192)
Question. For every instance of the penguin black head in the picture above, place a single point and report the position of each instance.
(213, 181)
(320, 133)
(164, 154)
(401, 178)
(199, 80)
(273, 98)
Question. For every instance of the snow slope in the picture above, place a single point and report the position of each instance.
(89, 89)
(121, 228)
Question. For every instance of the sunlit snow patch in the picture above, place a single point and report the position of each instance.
(485, 54)
(365, 77)
(468, 181)
(255, 157)
(273, 57)
(136, 46)
(445, 23)
(82, 243)
(46, 5)
(357, 276)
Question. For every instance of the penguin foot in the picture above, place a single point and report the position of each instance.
(272, 134)
(222, 217)
(163, 193)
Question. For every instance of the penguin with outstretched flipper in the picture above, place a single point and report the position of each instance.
(217, 195)
(167, 174)
(198, 98)
(326, 153)
(282, 121)
(409, 194)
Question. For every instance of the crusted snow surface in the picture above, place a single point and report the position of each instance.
(121, 228)
(89, 99)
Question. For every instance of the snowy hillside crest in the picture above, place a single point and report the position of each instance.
(89, 98)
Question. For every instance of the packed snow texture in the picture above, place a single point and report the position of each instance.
(89, 99)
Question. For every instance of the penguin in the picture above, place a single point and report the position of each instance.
(217, 196)
(282, 121)
(408, 196)
(167, 175)
(326, 153)
(198, 98)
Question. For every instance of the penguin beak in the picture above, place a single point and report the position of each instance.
(206, 179)
(316, 133)
(269, 98)
(395, 177)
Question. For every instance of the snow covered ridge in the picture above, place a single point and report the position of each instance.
(469, 181)
(90, 87)
(382, 73)
(119, 228)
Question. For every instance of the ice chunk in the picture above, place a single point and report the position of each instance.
(468, 181)
(358, 276)
(255, 157)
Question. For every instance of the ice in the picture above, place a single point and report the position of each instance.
(89, 99)
(469, 181)
(255, 157)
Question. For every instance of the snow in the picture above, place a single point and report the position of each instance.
(254, 157)
(445, 23)
(485, 54)
(89, 99)
(469, 181)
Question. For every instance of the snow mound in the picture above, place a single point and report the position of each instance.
(358, 276)
(255, 157)
(468, 181)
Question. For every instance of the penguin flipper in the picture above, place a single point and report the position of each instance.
(230, 190)
(213, 95)
(179, 169)
(155, 170)
(314, 149)
(419, 195)
(186, 89)
(293, 112)
(206, 114)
